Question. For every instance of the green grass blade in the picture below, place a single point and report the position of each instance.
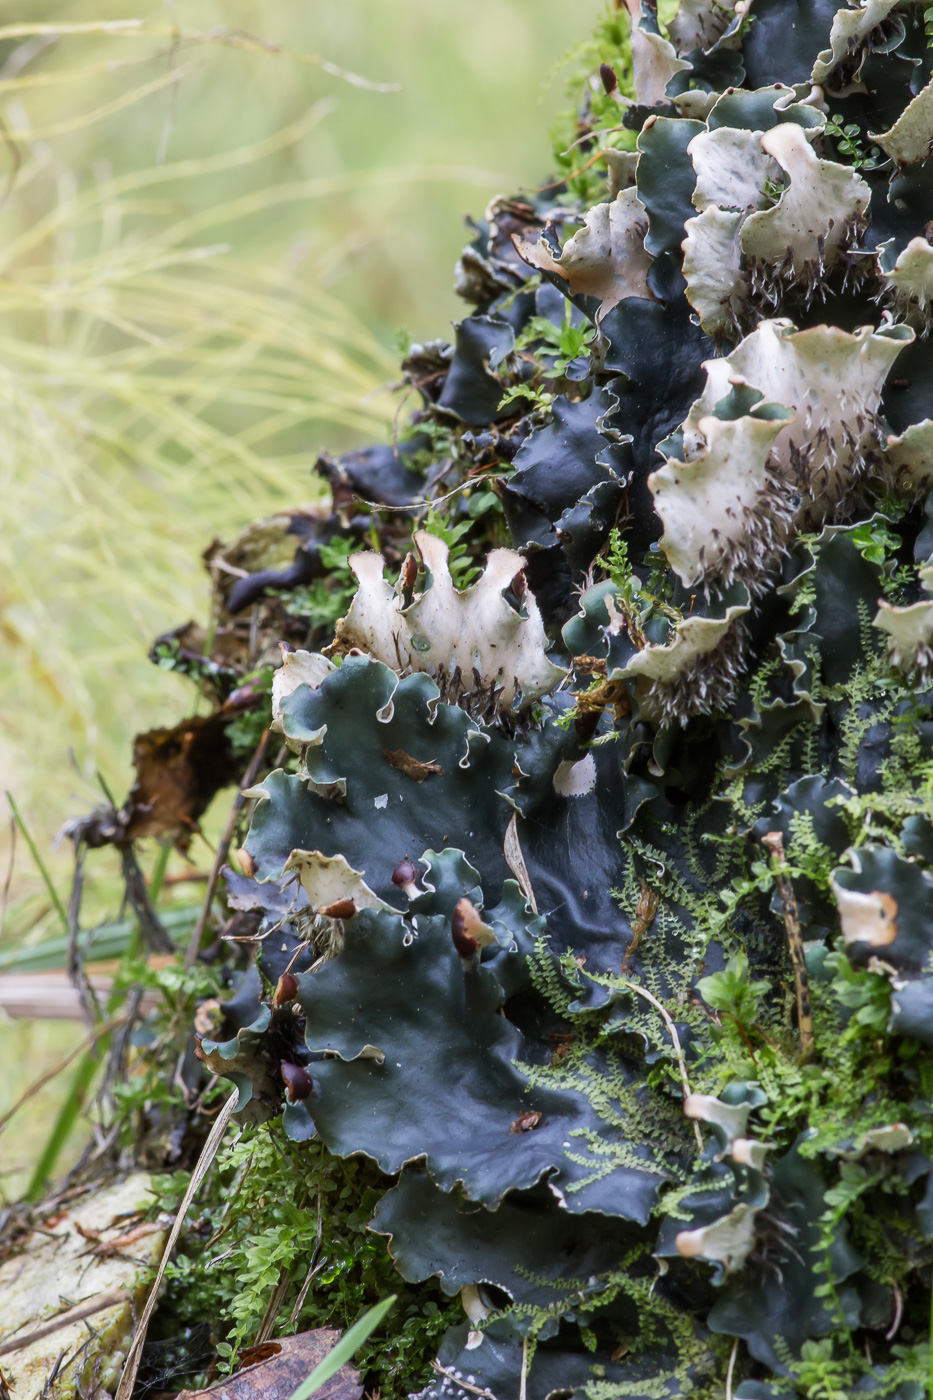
(53, 892)
(68, 1115)
(158, 874)
(97, 944)
(345, 1349)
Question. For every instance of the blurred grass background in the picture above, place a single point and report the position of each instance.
(205, 255)
(207, 248)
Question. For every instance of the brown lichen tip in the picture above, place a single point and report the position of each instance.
(340, 909)
(404, 876)
(467, 929)
(286, 989)
(298, 1082)
(408, 577)
(773, 842)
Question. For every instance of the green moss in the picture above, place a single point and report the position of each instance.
(272, 1213)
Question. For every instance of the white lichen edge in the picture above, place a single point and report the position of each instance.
(693, 673)
(731, 1119)
(909, 139)
(908, 458)
(298, 668)
(654, 59)
(736, 244)
(728, 1241)
(909, 634)
(816, 216)
(327, 880)
(575, 778)
(832, 380)
(717, 286)
(471, 641)
(908, 286)
(725, 513)
(606, 258)
(850, 28)
(732, 168)
(699, 24)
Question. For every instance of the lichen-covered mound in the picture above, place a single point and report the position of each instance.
(608, 821)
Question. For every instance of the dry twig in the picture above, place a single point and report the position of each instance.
(774, 844)
(208, 1153)
(223, 846)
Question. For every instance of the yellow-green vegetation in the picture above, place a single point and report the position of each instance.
(207, 246)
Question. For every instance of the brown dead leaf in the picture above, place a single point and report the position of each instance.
(646, 911)
(279, 1369)
(263, 1351)
(526, 1122)
(208, 1018)
(411, 767)
(178, 771)
(563, 1042)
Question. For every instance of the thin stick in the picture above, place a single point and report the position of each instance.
(96, 1034)
(228, 38)
(34, 850)
(314, 1267)
(555, 184)
(302, 948)
(140, 899)
(773, 843)
(305, 1287)
(523, 1380)
(208, 1153)
(249, 777)
(64, 1319)
(87, 998)
(276, 1299)
(678, 1050)
(732, 1355)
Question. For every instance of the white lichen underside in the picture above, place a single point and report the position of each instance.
(832, 380)
(723, 512)
(472, 640)
(606, 258)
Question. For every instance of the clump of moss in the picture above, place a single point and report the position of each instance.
(277, 1244)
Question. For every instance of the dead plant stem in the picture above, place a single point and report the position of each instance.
(223, 847)
(208, 1153)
